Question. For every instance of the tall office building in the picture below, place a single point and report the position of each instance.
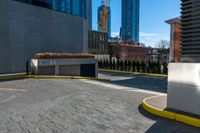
(130, 20)
(104, 14)
(81, 8)
(89, 14)
(74, 7)
(190, 31)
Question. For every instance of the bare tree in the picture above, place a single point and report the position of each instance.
(163, 51)
(163, 44)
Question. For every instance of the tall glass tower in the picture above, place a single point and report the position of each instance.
(74, 7)
(130, 20)
(89, 14)
(82, 8)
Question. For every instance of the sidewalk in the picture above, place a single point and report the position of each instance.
(157, 105)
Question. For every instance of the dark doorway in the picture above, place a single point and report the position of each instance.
(88, 70)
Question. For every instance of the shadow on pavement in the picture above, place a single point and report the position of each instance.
(162, 125)
(145, 82)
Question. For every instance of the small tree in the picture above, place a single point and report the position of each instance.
(138, 66)
(163, 46)
(143, 66)
(106, 64)
(100, 64)
(133, 66)
(154, 67)
(118, 65)
(125, 65)
(114, 64)
(165, 68)
(103, 64)
(121, 65)
(148, 66)
(110, 64)
(151, 67)
(129, 65)
(159, 67)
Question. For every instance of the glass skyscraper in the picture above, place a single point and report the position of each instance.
(130, 20)
(82, 8)
(73, 7)
(89, 14)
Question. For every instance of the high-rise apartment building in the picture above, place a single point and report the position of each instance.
(130, 20)
(183, 78)
(190, 51)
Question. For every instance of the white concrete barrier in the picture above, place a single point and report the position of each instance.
(184, 87)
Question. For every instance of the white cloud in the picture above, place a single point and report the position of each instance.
(152, 38)
(115, 34)
(148, 35)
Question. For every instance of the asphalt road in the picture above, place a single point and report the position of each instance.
(152, 83)
(78, 106)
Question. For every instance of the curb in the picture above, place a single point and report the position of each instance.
(64, 77)
(128, 72)
(18, 76)
(7, 77)
(170, 115)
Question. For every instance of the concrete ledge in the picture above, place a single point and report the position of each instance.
(128, 72)
(20, 76)
(169, 115)
(64, 77)
(12, 76)
(184, 87)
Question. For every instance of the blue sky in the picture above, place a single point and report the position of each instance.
(153, 14)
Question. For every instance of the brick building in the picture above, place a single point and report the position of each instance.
(98, 44)
(126, 50)
(175, 37)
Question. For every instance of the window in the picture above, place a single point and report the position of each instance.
(74, 7)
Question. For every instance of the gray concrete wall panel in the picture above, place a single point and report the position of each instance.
(184, 87)
(26, 29)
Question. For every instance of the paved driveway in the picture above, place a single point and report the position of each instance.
(78, 106)
(158, 84)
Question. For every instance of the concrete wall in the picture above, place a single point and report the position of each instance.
(69, 67)
(26, 29)
(184, 87)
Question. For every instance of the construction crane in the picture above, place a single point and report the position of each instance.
(103, 15)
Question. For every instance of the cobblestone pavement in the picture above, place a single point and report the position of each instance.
(77, 106)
